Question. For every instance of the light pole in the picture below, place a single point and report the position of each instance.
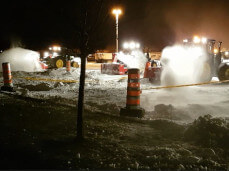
(117, 12)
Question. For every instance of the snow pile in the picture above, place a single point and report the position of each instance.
(21, 60)
(61, 73)
(136, 59)
(182, 64)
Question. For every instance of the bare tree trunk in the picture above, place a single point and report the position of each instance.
(84, 38)
(83, 47)
(80, 130)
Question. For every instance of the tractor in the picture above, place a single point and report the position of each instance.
(57, 56)
(216, 64)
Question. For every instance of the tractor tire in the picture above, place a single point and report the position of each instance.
(59, 63)
(75, 64)
(223, 72)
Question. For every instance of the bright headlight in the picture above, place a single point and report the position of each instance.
(125, 45)
(185, 40)
(215, 50)
(132, 45)
(55, 48)
(196, 39)
(204, 40)
(46, 54)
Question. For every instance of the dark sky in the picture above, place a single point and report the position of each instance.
(154, 23)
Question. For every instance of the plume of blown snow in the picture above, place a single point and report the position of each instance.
(21, 59)
(136, 59)
(182, 64)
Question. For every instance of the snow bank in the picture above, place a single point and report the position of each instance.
(21, 60)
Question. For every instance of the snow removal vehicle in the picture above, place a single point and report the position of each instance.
(118, 67)
(114, 68)
(57, 56)
(216, 63)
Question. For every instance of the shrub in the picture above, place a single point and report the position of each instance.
(209, 131)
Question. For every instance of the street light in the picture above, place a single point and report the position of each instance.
(117, 12)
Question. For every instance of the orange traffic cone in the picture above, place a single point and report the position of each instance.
(68, 65)
(133, 108)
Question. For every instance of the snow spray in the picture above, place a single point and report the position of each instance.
(21, 59)
(182, 64)
(136, 59)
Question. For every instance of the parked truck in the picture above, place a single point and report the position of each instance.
(103, 57)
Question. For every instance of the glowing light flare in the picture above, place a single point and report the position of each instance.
(131, 45)
(55, 48)
(126, 45)
(117, 11)
(196, 39)
(185, 40)
(46, 54)
(137, 45)
(215, 50)
(204, 40)
(226, 53)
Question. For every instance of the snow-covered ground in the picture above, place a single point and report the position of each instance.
(107, 94)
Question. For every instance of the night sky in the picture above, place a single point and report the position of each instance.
(155, 24)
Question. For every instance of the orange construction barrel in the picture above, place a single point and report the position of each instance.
(133, 95)
(7, 77)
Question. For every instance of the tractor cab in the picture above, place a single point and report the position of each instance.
(217, 62)
(57, 50)
(212, 50)
(209, 45)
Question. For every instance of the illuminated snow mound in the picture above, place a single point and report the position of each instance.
(21, 60)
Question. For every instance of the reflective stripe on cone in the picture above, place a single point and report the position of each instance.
(133, 93)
